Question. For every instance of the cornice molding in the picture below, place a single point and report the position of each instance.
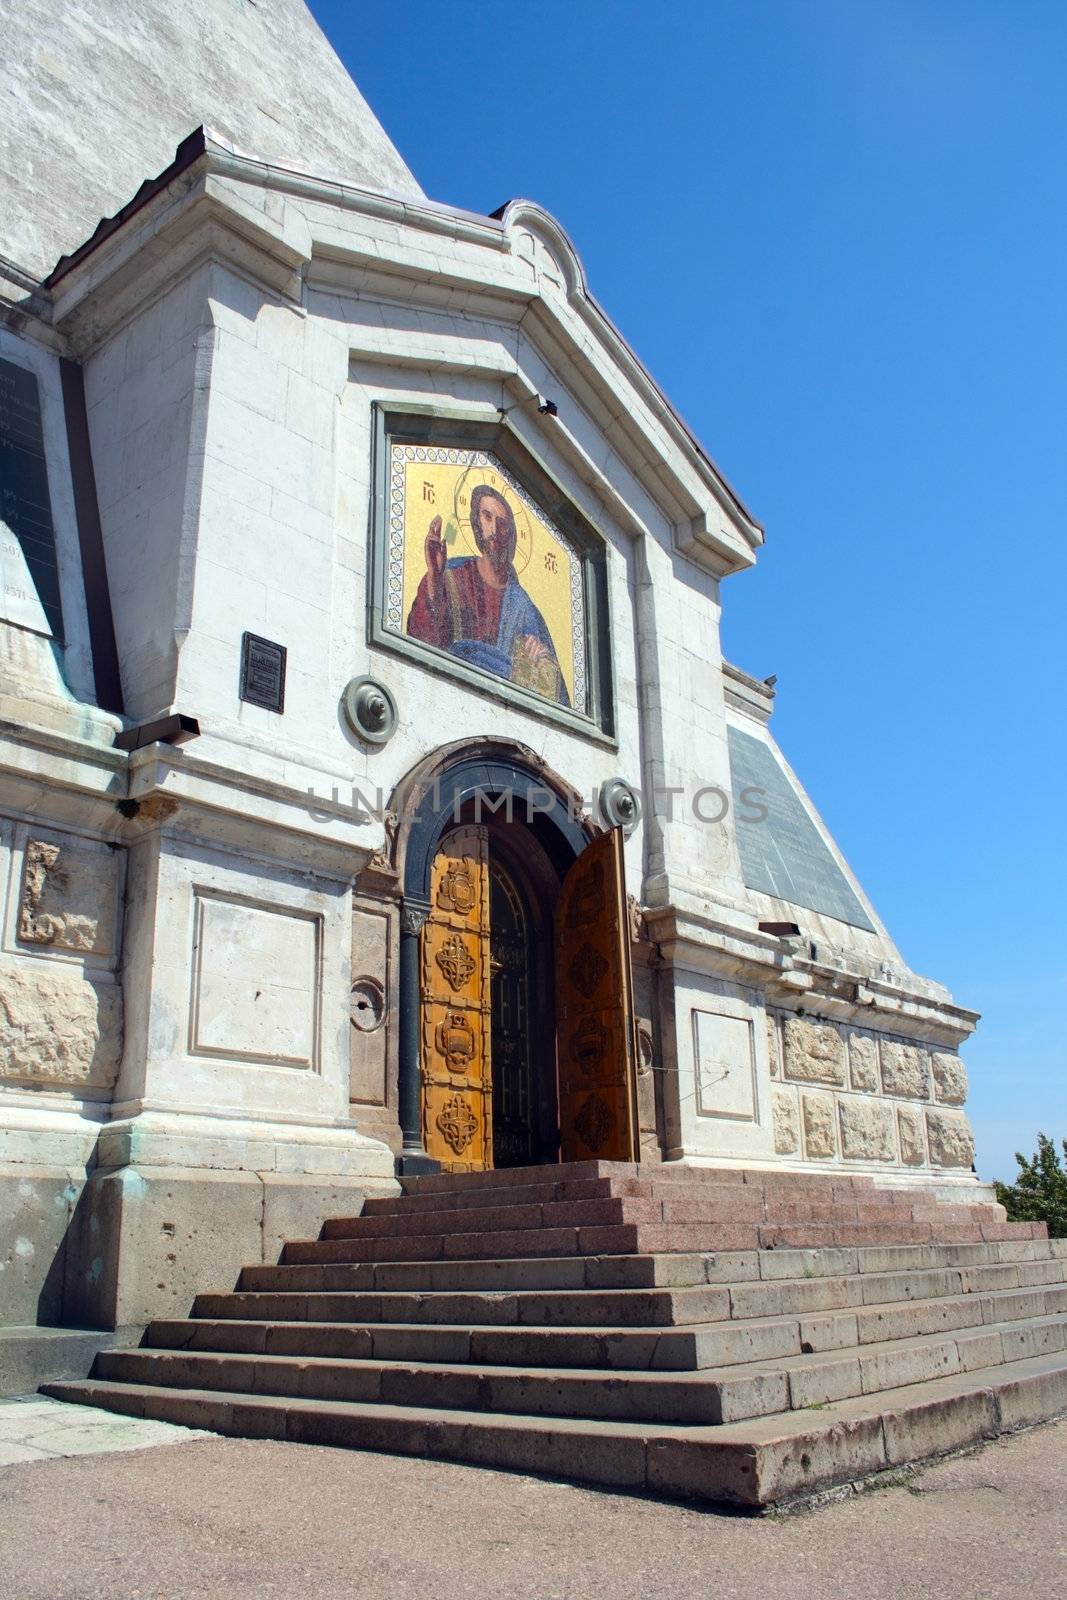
(215, 203)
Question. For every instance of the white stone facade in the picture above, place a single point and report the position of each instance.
(198, 972)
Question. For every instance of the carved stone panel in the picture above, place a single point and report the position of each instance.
(774, 1046)
(786, 1122)
(867, 1130)
(69, 896)
(818, 1117)
(905, 1070)
(910, 1122)
(863, 1062)
(950, 1137)
(814, 1052)
(58, 1028)
(950, 1079)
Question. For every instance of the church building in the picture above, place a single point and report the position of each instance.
(377, 807)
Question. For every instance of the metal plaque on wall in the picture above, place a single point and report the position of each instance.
(263, 672)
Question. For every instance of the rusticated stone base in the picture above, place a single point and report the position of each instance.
(37, 1203)
(146, 1239)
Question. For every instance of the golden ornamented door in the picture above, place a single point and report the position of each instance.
(457, 1086)
(597, 1041)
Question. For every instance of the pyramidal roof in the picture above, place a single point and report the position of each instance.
(98, 93)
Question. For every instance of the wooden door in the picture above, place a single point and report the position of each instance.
(457, 1085)
(597, 1052)
(517, 1040)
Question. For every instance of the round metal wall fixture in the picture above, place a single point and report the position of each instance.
(370, 710)
(368, 1005)
(620, 805)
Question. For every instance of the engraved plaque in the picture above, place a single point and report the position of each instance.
(263, 672)
(29, 574)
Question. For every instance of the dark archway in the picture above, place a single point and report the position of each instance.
(507, 779)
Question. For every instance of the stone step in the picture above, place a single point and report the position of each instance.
(612, 1349)
(483, 1219)
(646, 1238)
(957, 1201)
(766, 1178)
(670, 1397)
(501, 1301)
(311, 1325)
(699, 1202)
(687, 1268)
(681, 1208)
(540, 1193)
(31, 1354)
(711, 1396)
(640, 1308)
(754, 1464)
(696, 1200)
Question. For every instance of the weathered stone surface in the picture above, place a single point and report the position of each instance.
(867, 1130)
(863, 1062)
(68, 896)
(814, 1052)
(146, 1239)
(36, 1205)
(786, 1123)
(951, 1139)
(905, 1069)
(58, 1027)
(265, 75)
(912, 1139)
(818, 1114)
(774, 1047)
(950, 1079)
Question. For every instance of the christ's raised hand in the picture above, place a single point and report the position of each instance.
(436, 557)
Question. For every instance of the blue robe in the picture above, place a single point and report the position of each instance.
(518, 617)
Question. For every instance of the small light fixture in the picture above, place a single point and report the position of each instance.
(545, 406)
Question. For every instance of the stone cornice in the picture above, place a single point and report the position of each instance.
(283, 227)
(901, 1002)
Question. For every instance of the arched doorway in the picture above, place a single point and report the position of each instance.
(516, 1027)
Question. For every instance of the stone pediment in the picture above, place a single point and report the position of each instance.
(516, 271)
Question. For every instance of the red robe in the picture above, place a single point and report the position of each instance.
(466, 607)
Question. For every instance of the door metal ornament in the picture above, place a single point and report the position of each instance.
(457, 1112)
(597, 1038)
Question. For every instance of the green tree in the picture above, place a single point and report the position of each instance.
(1039, 1194)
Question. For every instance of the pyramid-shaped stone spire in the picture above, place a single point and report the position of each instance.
(98, 93)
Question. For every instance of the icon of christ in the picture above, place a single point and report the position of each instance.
(476, 608)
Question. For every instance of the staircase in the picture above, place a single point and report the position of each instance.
(728, 1336)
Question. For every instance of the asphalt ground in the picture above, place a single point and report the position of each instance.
(224, 1517)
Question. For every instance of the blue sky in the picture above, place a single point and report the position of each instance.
(835, 230)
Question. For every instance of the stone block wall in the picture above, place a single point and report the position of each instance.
(859, 1096)
(61, 1036)
(60, 1001)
